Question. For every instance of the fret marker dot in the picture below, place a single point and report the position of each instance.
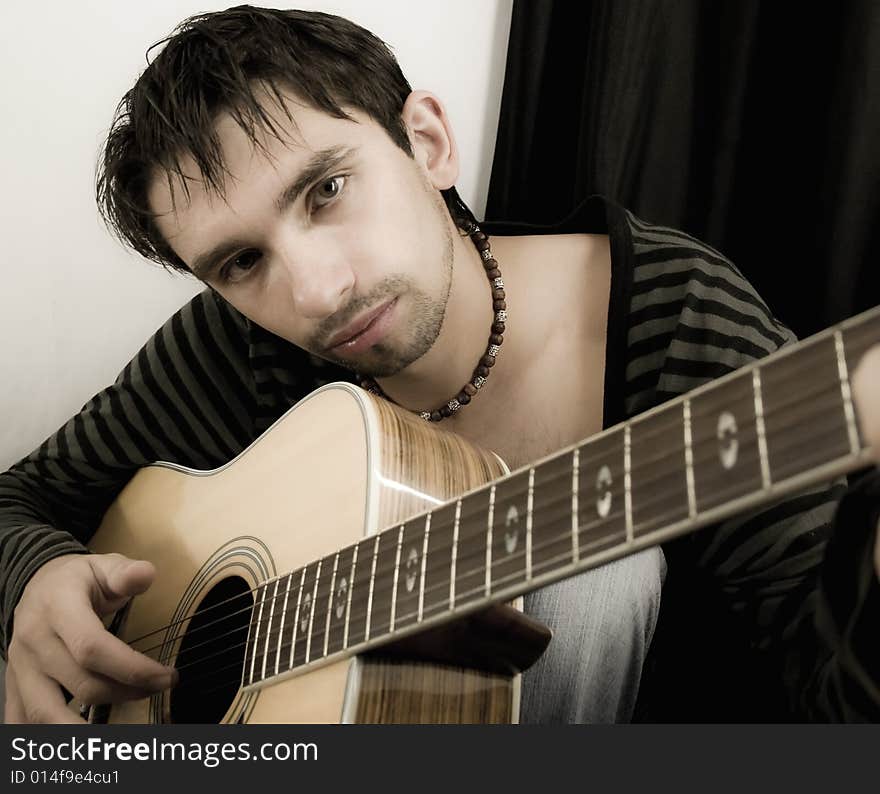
(604, 482)
(412, 561)
(341, 592)
(304, 620)
(728, 444)
(510, 538)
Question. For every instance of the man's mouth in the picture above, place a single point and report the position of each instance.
(360, 332)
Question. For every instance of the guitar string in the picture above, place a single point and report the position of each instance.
(382, 573)
(241, 664)
(320, 613)
(675, 421)
(382, 597)
(319, 618)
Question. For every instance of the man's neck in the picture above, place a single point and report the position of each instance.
(440, 374)
(556, 291)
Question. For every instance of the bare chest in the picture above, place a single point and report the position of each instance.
(556, 403)
(552, 394)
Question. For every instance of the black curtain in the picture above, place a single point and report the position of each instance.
(754, 126)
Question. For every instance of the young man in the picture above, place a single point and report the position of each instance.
(283, 159)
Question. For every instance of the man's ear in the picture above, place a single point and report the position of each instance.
(431, 137)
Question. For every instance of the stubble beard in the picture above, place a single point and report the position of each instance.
(426, 316)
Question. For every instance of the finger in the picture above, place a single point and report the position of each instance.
(14, 709)
(866, 396)
(42, 700)
(86, 686)
(98, 651)
(118, 578)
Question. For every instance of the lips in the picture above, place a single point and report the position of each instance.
(357, 327)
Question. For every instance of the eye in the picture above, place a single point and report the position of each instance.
(327, 191)
(237, 269)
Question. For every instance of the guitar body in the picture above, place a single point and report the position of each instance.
(339, 466)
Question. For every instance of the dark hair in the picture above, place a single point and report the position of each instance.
(213, 63)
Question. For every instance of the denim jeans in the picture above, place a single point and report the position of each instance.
(602, 622)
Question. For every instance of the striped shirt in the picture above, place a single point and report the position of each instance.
(749, 627)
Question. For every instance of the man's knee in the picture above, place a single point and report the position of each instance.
(602, 621)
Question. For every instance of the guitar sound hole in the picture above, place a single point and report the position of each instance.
(212, 654)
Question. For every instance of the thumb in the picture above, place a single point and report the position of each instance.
(118, 578)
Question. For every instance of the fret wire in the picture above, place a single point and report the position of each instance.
(257, 635)
(372, 584)
(396, 574)
(424, 566)
(759, 421)
(627, 482)
(351, 575)
(707, 442)
(269, 630)
(563, 557)
(312, 612)
(529, 507)
(575, 477)
(491, 518)
(586, 527)
(806, 365)
(281, 627)
(818, 391)
(689, 460)
(302, 582)
(846, 393)
(454, 555)
(632, 469)
(596, 523)
(858, 328)
(513, 578)
(330, 602)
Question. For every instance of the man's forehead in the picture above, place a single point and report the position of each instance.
(294, 139)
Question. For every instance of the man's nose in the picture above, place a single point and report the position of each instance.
(319, 277)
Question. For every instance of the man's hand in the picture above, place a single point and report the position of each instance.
(58, 639)
(866, 395)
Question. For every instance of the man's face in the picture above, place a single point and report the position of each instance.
(336, 241)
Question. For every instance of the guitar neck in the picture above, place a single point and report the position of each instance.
(761, 432)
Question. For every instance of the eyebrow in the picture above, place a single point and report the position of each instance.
(317, 166)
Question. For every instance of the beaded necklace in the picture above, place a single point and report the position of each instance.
(496, 337)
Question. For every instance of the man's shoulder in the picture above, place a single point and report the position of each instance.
(692, 315)
(674, 274)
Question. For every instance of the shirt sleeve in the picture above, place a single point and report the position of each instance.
(797, 574)
(187, 397)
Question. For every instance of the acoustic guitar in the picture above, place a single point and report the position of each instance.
(356, 564)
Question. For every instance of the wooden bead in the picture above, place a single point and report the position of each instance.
(446, 411)
(490, 264)
(482, 371)
(463, 398)
(499, 304)
(436, 416)
(498, 294)
(496, 339)
(493, 274)
(481, 245)
(497, 328)
(469, 391)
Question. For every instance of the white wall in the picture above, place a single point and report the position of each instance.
(74, 304)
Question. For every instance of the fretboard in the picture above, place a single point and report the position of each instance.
(759, 433)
